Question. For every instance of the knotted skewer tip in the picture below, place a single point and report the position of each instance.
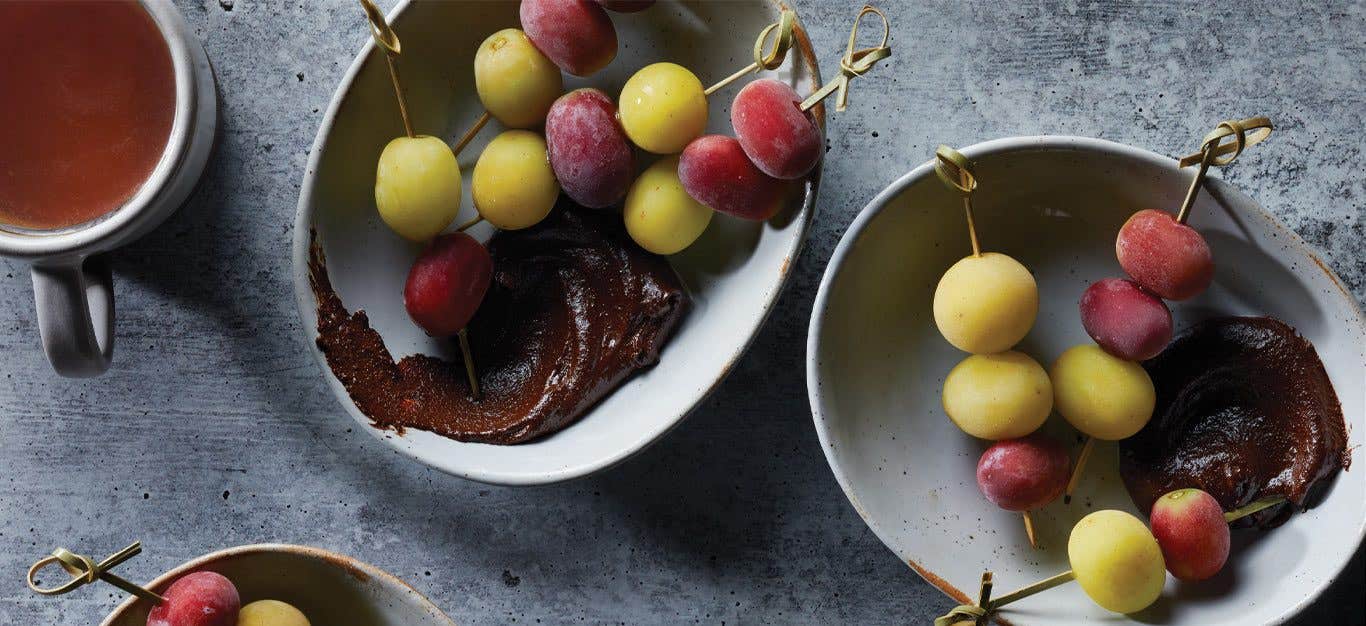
(84, 570)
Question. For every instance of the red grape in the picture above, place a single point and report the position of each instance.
(198, 599)
(716, 172)
(1190, 528)
(447, 283)
(588, 150)
(1025, 473)
(626, 6)
(780, 138)
(1125, 319)
(576, 35)
(1167, 257)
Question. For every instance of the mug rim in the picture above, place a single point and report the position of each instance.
(83, 239)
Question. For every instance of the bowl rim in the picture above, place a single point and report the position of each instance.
(279, 548)
(1004, 145)
(304, 300)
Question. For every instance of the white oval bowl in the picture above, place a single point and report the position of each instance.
(327, 587)
(876, 364)
(735, 272)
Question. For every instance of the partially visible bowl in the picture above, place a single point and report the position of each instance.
(735, 272)
(876, 364)
(327, 587)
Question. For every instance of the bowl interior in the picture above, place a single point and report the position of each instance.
(877, 365)
(326, 587)
(734, 272)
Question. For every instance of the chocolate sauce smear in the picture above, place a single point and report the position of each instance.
(575, 308)
(1244, 411)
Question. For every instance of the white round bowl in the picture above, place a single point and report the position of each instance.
(734, 272)
(328, 588)
(876, 365)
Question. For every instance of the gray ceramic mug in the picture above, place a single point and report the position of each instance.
(72, 284)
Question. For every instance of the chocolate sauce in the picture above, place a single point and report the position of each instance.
(1244, 411)
(575, 308)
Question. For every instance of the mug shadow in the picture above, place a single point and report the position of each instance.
(205, 260)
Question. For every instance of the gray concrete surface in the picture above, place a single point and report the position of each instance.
(214, 428)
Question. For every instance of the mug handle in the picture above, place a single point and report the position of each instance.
(75, 303)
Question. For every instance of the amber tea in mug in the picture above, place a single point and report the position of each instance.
(87, 101)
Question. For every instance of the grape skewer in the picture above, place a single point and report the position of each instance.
(85, 570)
(1166, 257)
(515, 82)
(1161, 252)
(197, 598)
(419, 203)
(777, 138)
(517, 85)
(417, 179)
(517, 76)
(663, 106)
(663, 109)
(517, 71)
(1125, 577)
(775, 125)
(985, 304)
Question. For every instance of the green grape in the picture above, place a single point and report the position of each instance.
(1117, 561)
(1101, 394)
(270, 613)
(659, 214)
(986, 304)
(417, 186)
(663, 107)
(513, 185)
(998, 396)
(516, 83)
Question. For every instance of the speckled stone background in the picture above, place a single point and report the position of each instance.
(214, 427)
